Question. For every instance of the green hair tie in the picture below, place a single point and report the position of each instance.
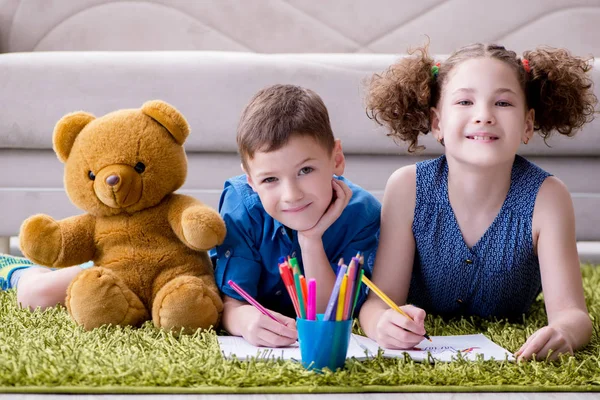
(435, 70)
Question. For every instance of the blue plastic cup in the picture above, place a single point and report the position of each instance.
(323, 344)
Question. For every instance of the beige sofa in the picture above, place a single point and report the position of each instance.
(59, 59)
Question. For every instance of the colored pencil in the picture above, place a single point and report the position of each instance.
(339, 315)
(330, 309)
(301, 303)
(311, 303)
(387, 300)
(289, 285)
(304, 289)
(357, 291)
(251, 300)
(350, 288)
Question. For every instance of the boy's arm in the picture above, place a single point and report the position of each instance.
(238, 259)
(242, 319)
(569, 326)
(314, 259)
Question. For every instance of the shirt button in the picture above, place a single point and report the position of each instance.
(283, 231)
(469, 261)
(459, 301)
(227, 253)
(278, 293)
(293, 254)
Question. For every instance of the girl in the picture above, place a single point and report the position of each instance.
(480, 230)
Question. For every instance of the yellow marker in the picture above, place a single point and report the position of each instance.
(339, 315)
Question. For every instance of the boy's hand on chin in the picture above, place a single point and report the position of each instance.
(263, 331)
(341, 197)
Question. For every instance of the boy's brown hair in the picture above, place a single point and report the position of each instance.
(277, 113)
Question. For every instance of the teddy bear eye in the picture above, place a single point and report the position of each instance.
(91, 175)
(139, 167)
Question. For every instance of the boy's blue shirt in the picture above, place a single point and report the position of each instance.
(255, 241)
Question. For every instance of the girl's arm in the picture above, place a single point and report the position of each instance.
(393, 267)
(569, 326)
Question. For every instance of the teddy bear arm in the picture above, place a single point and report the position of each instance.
(78, 240)
(57, 243)
(197, 225)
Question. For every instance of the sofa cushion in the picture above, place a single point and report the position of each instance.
(211, 89)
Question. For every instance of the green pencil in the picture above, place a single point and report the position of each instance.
(299, 294)
(362, 272)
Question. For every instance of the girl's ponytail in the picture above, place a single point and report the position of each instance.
(401, 97)
(560, 91)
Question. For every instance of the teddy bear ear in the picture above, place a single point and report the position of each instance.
(168, 116)
(66, 131)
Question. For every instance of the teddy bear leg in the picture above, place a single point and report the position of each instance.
(187, 303)
(97, 297)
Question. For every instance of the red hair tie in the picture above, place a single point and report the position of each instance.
(526, 65)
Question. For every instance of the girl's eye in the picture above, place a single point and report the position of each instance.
(269, 180)
(503, 104)
(464, 103)
(306, 170)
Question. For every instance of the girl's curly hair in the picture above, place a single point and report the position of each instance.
(556, 86)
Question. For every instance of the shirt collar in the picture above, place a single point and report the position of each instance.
(277, 228)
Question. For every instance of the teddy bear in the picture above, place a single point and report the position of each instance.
(149, 245)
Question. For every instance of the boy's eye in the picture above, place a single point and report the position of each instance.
(464, 103)
(306, 170)
(503, 104)
(269, 180)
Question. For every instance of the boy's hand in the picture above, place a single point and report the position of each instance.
(395, 331)
(341, 197)
(541, 342)
(261, 330)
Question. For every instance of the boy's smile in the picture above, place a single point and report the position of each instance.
(294, 182)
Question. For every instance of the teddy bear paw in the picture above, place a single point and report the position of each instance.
(98, 297)
(186, 304)
(40, 239)
(203, 228)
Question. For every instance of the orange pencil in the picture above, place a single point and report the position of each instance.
(304, 290)
(287, 281)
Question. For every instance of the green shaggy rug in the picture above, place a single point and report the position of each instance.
(45, 352)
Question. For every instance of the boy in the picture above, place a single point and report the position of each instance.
(292, 201)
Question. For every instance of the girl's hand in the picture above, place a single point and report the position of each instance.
(541, 342)
(262, 331)
(395, 331)
(341, 197)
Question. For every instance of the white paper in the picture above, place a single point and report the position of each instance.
(445, 348)
(242, 350)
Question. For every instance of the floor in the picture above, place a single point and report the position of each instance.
(358, 396)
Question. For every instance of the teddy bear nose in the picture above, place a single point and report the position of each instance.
(112, 180)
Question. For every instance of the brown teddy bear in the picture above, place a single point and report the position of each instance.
(148, 244)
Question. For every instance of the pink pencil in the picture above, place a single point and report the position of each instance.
(250, 300)
(311, 313)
